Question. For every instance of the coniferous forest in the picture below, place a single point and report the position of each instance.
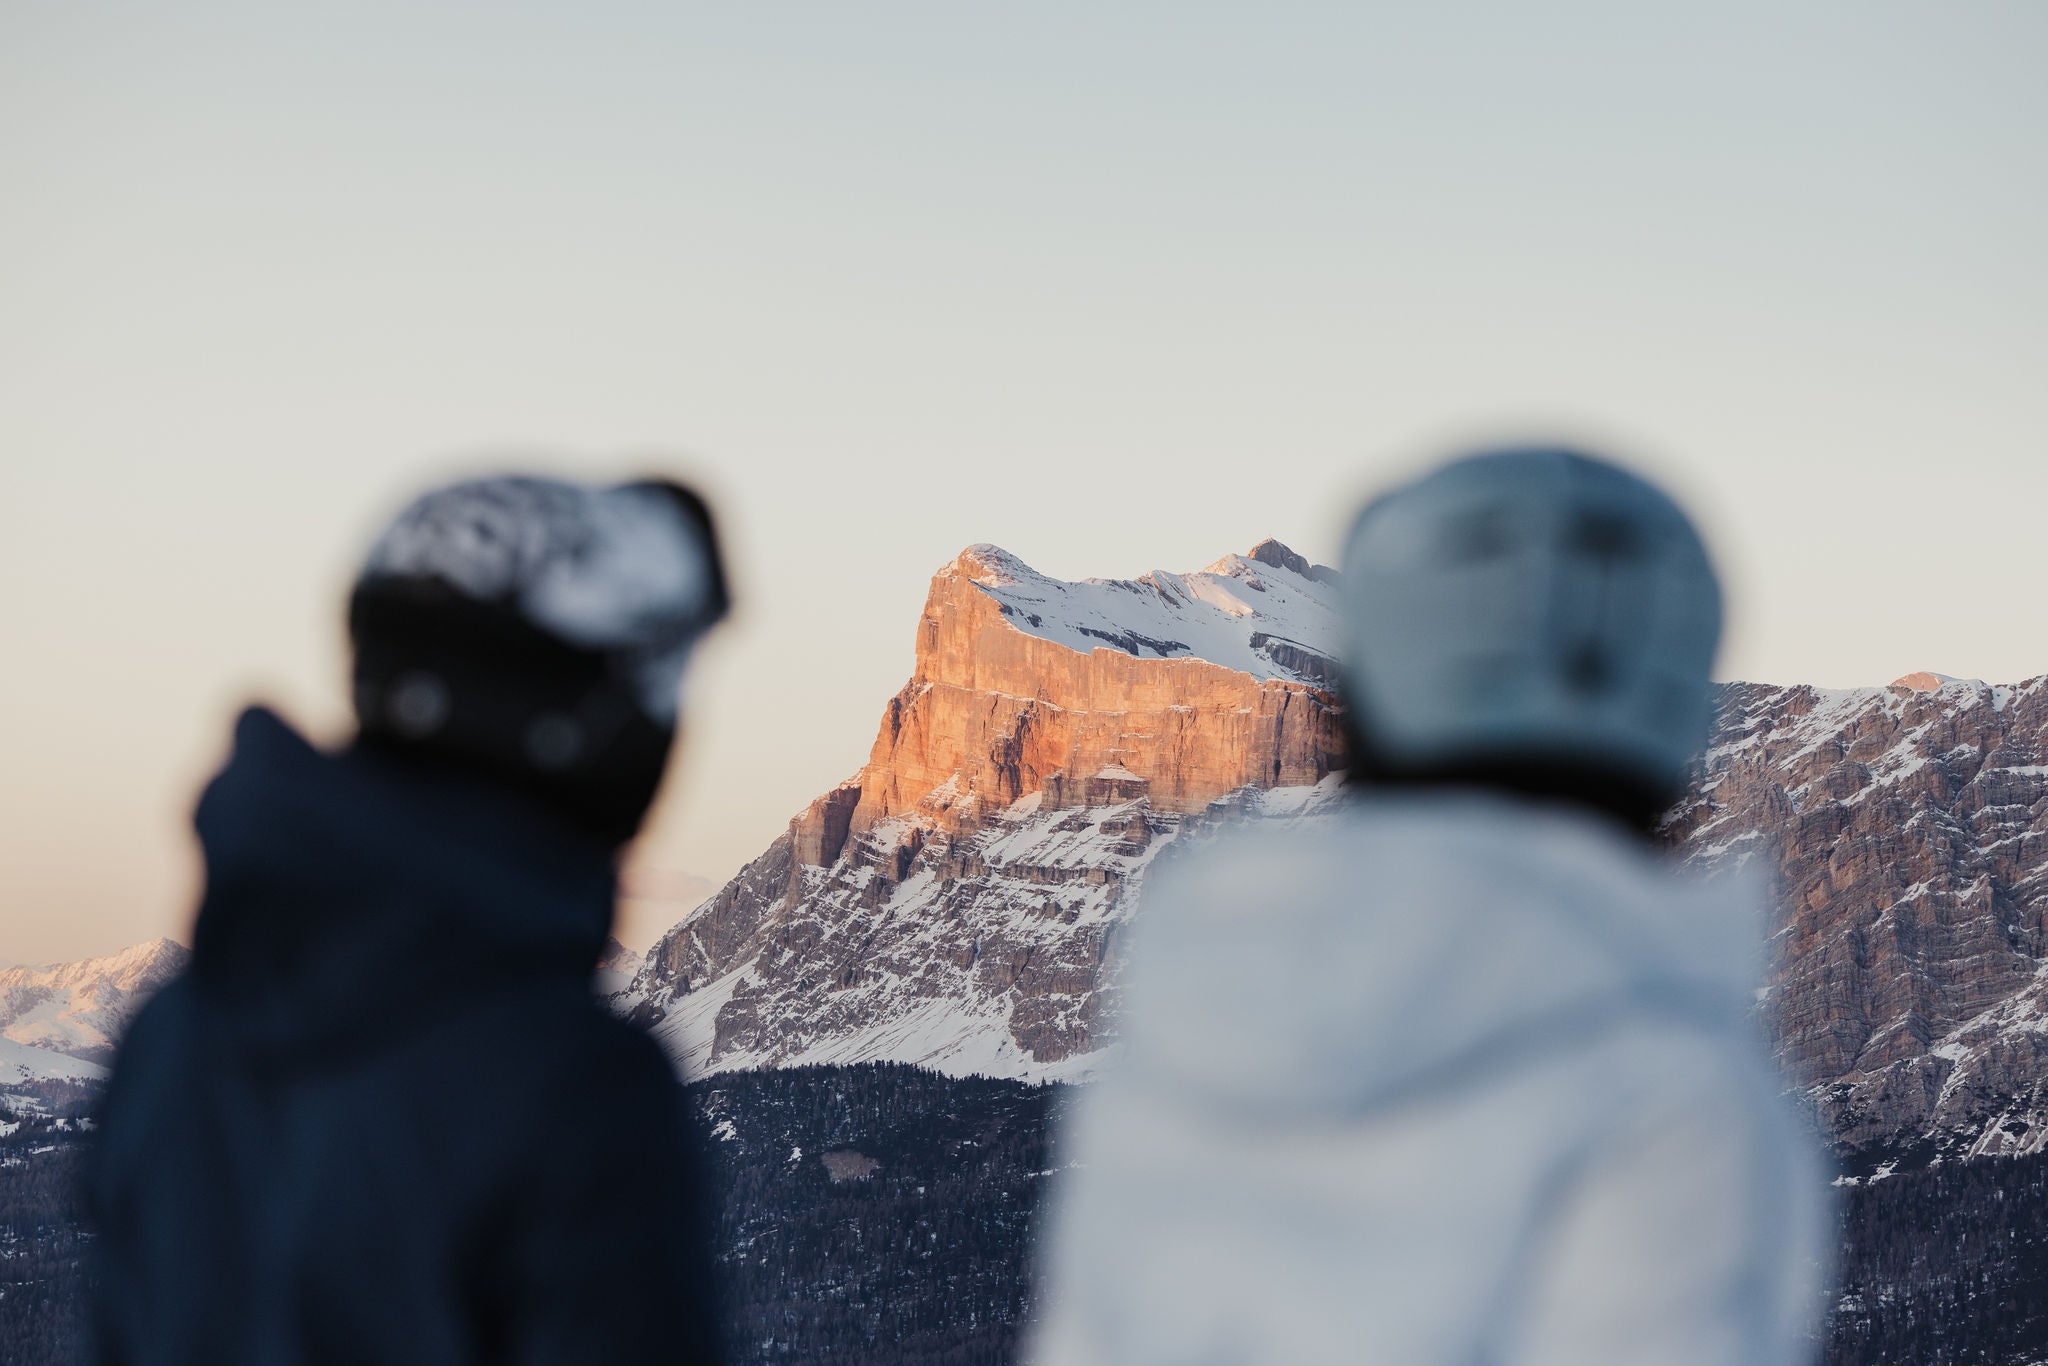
(881, 1215)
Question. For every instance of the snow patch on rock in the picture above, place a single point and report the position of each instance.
(1239, 612)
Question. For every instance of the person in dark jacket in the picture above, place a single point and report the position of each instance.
(382, 1118)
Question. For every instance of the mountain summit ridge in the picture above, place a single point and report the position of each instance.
(1225, 613)
(78, 1009)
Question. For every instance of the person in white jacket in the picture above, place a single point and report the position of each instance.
(1463, 1073)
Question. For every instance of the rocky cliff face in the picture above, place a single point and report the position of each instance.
(1905, 830)
(958, 902)
(1173, 688)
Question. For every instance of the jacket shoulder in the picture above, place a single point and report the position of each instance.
(165, 1016)
(157, 1045)
(598, 1062)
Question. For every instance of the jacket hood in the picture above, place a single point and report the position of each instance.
(352, 897)
(1422, 941)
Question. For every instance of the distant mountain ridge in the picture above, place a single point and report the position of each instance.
(60, 1014)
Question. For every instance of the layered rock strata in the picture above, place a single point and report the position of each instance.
(1905, 832)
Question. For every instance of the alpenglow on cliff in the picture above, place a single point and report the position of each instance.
(958, 903)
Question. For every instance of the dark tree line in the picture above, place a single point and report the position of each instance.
(921, 1261)
(42, 1246)
(918, 1253)
(1944, 1265)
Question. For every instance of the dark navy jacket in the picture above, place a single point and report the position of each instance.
(382, 1119)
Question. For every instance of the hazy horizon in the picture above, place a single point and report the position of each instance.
(1117, 292)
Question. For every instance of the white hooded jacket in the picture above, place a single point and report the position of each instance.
(1456, 1079)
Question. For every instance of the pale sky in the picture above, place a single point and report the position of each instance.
(1117, 287)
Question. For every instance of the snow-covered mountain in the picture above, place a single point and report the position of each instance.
(959, 902)
(77, 1010)
(1270, 614)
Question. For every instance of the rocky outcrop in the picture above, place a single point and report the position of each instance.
(1905, 832)
(1024, 684)
(959, 901)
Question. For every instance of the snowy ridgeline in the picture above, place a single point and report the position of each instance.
(60, 1021)
(1241, 612)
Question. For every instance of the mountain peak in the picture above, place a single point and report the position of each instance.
(988, 565)
(1278, 555)
(77, 1009)
(1273, 554)
(1926, 680)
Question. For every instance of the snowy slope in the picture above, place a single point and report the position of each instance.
(993, 954)
(80, 1008)
(20, 1063)
(1238, 612)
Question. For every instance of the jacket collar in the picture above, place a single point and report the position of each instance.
(350, 894)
